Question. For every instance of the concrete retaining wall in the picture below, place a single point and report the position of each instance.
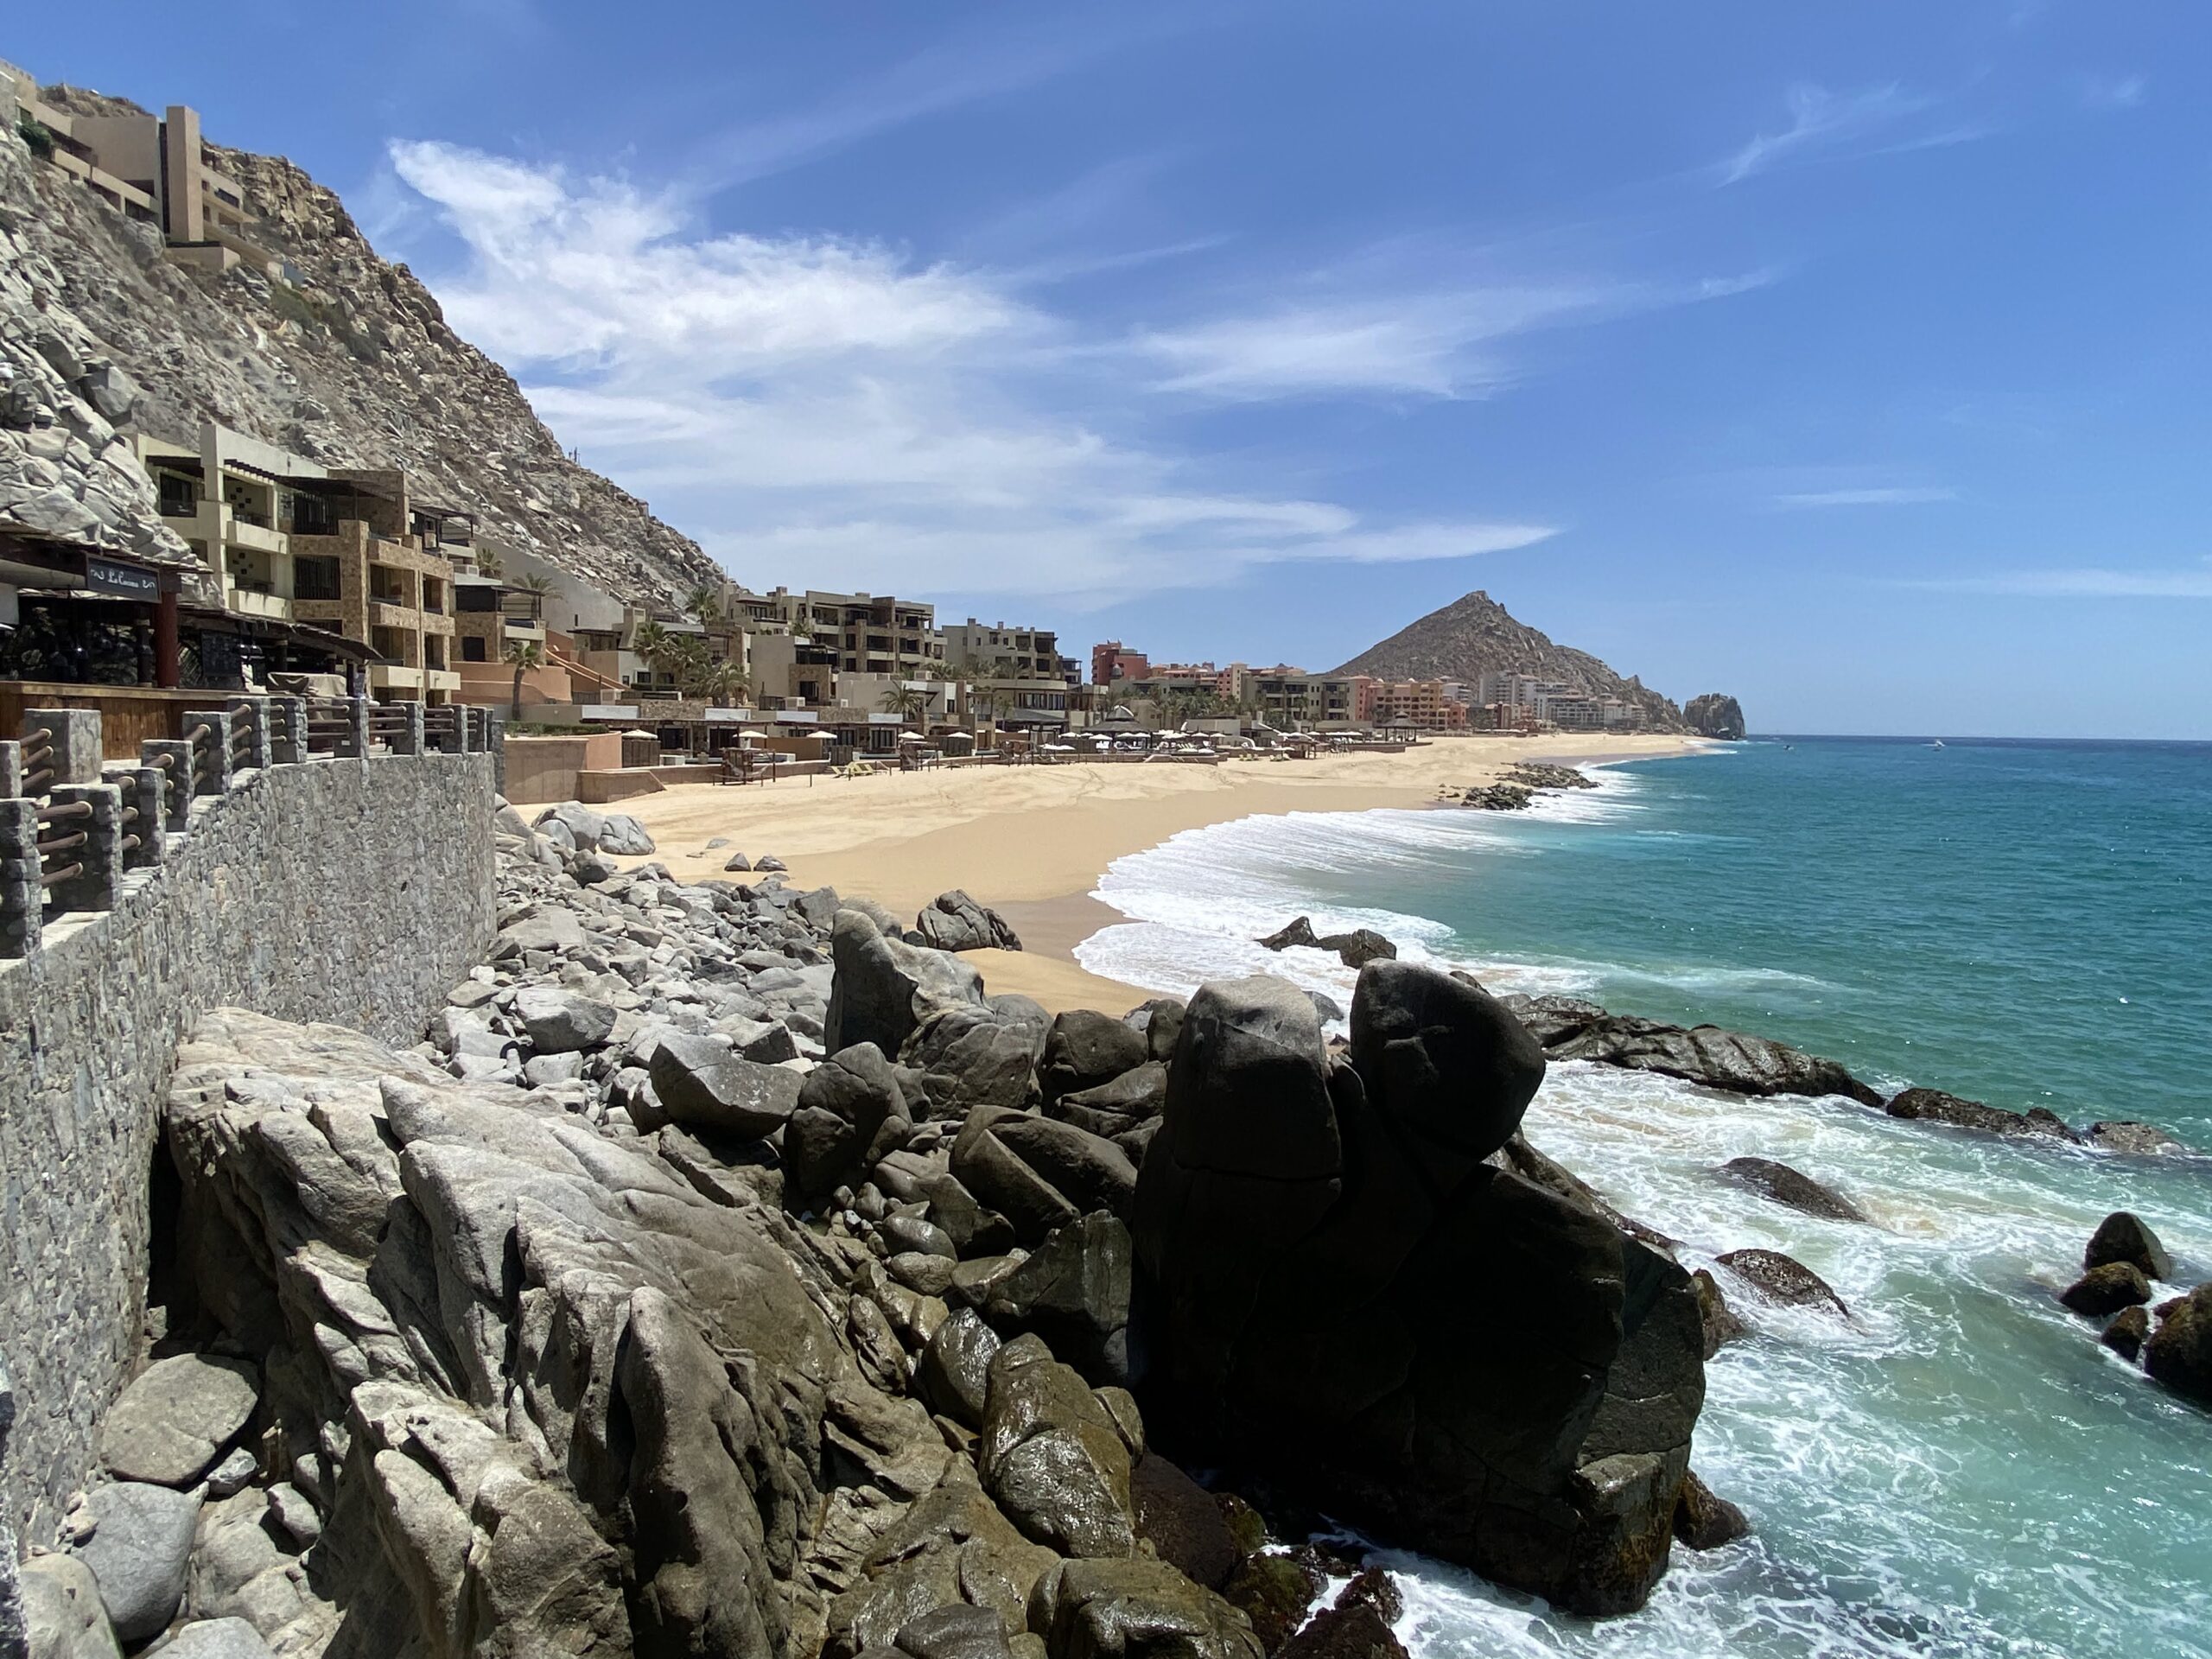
(355, 892)
(543, 770)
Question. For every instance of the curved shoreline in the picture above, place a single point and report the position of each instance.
(1033, 841)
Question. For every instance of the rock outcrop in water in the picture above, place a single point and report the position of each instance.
(1714, 715)
(1300, 1223)
(726, 1275)
(1571, 1029)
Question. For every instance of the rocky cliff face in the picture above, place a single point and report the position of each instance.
(349, 362)
(1714, 715)
(1474, 635)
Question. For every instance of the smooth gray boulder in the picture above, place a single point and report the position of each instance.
(883, 988)
(1038, 1172)
(562, 1021)
(176, 1418)
(217, 1638)
(62, 1611)
(703, 1087)
(623, 835)
(851, 1114)
(139, 1550)
(953, 921)
(971, 1057)
(582, 826)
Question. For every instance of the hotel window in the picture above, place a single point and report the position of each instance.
(179, 495)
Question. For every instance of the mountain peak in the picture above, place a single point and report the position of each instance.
(1474, 635)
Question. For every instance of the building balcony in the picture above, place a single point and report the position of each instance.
(441, 679)
(382, 614)
(246, 602)
(397, 677)
(240, 532)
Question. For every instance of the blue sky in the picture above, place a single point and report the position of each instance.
(1851, 358)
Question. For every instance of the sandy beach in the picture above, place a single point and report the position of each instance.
(1032, 840)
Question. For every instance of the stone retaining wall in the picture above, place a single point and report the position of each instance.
(354, 892)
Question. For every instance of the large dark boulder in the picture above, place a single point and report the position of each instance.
(954, 1376)
(1182, 1522)
(1136, 1609)
(2103, 1291)
(1781, 1280)
(1791, 1188)
(851, 1112)
(2179, 1353)
(2133, 1139)
(1358, 1632)
(1703, 1519)
(971, 1056)
(1138, 1096)
(1729, 1060)
(1359, 947)
(1161, 1022)
(1051, 1457)
(1336, 1290)
(2124, 1237)
(1084, 1049)
(1934, 1106)
(1074, 1292)
(1039, 1173)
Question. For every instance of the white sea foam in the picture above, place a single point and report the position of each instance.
(1935, 1477)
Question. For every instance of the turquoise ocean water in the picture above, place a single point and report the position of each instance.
(1963, 1471)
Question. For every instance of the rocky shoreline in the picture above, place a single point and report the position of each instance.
(1519, 786)
(727, 1271)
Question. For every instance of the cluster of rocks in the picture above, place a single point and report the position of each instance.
(1355, 950)
(1570, 1028)
(2121, 1265)
(728, 1275)
(1520, 784)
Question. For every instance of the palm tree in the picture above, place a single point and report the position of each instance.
(705, 604)
(538, 585)
(727, 684)
(906, 701)
(523, 655)
(689, 664)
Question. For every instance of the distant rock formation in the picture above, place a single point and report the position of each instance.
(1714, 715)
(1474, 635)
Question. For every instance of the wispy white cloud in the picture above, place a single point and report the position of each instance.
(1819, 120)
(1887, 496)
(2114, 91)
(834, 411)
(2088, 581)
(1440, 342)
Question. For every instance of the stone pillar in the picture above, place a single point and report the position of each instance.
(446, 726)
(495, 734)
(287, 730)
(21, 895)
(209, 731)
(145, 813)
(404, 735)
(250, 740)
(168, 669)
(100, 855)
(11, 769)
(354, 741)
(74, 743)
(176, 779)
